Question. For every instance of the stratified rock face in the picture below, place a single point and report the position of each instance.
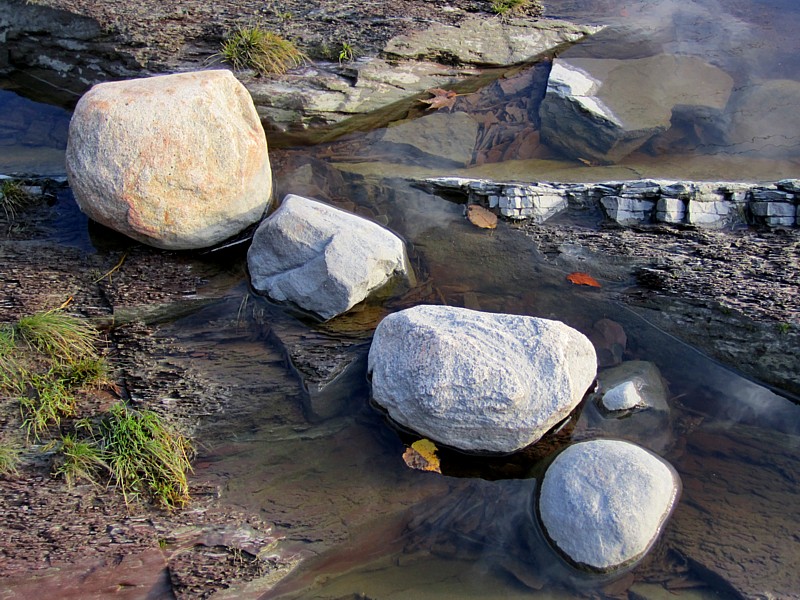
(478, 381)
(321, 258)
(603, 109)
(175, 161)
(604, 502)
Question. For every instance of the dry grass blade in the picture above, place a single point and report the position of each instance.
(59, 335)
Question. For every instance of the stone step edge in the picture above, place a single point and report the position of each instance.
(714, 205)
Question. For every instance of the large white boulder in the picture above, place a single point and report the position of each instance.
(604, 502)
(175, 161)
(478, 381)
(323, 259)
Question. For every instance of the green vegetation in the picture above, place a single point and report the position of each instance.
(530, 7)
(44, 399)
(346, 53)
(49, 362)
(78, 459)
(264, 51)
(9, 458)
(13, 197)
(145, 456)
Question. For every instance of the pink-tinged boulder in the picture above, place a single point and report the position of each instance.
(175, 161)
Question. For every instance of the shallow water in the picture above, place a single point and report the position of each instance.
(334, 484)
(337, 486)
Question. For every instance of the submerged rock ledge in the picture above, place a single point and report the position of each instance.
(703, 204)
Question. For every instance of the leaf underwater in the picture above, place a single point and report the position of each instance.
(583, 279)
(441, 99)
(481, 217)
(421, 455)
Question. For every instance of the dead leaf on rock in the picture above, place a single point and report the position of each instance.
(421, 455)
(583, 279)
(481, 217)
(441, 99)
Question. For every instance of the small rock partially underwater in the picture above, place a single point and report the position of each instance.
(604, 502)
(323, 259)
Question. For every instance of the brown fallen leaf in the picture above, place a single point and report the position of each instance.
(481, 217)
(441, 99)
(583, 279)
(421, 455)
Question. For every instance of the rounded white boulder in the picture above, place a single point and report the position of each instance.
(478, 381)
(174, 161)
(603, 503)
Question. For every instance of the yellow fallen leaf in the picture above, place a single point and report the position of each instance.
(481, 217)
(422, 456)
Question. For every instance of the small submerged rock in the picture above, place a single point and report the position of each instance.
(603, 503)
(176, 161)
(478, 381)
(323, 259)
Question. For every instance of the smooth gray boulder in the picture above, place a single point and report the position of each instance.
(603, 503)
(478, 381)
(175, 161)
(323, 259)
(601, 110)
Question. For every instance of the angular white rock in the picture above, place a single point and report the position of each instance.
(321, 258)
(604, 502)
(478, 381)
(624, 396)
(175, 161)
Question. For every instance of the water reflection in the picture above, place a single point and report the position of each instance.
(33, 136)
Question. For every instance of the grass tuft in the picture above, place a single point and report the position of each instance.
(13, 198)
(145, 456)
(264, 51)
(44, 400)
(78, 459)
(529, 7)
(59, 335)
(9, 458)
(8, 363)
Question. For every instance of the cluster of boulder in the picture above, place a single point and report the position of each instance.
(180, 162)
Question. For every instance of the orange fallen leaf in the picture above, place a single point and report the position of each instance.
(582, 279)
(422, 456)
(481, 217)
(441, 99)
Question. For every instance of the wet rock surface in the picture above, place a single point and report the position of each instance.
(603, 109)
(730, 294)
(323, 259)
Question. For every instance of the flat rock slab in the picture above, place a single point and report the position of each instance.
(478, 381)
(323, 259)
(175, 161)
(603, 503)
(489, 42)
(604, 109)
